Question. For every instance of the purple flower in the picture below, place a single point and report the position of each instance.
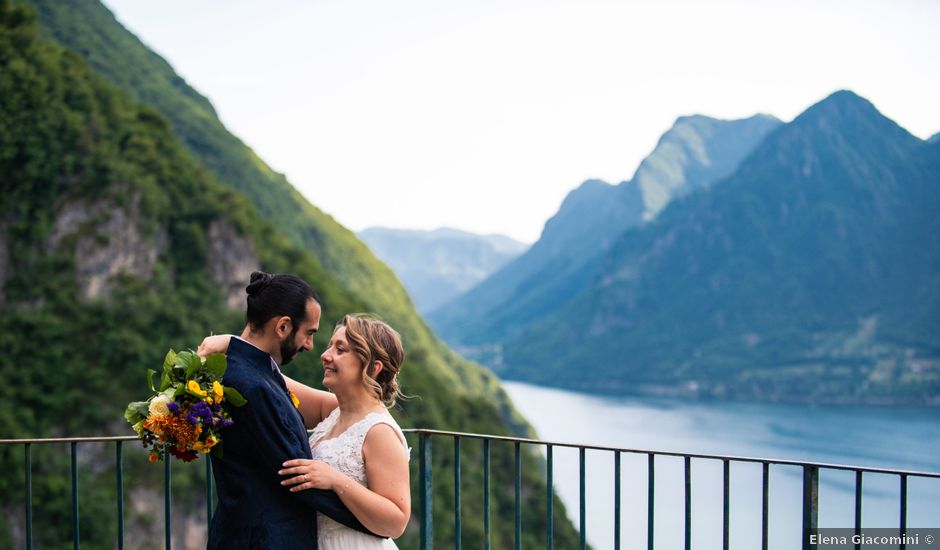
(192, 418)
(202, 410)
(174, 407)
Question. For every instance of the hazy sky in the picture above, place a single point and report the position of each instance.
(483, 115)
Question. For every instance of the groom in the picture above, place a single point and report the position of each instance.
(254, 510)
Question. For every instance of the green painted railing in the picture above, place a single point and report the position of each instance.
(810, 488)
(810, 491)
(118, 441)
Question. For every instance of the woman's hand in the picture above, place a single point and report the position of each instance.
(310, 474)
(213, 344)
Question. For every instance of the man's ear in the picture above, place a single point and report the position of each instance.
(283, 326)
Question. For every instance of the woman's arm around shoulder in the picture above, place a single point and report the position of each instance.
(315, 405)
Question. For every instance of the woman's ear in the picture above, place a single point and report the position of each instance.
(376, 369)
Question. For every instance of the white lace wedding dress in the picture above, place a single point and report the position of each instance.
(344, 452)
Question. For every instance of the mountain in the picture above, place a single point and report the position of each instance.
(811, 273)
(123, 232)
(437, 266)
(693, 154)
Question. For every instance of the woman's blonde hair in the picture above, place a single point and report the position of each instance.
(373, 340)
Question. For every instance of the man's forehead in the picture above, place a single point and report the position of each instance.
(313, 313)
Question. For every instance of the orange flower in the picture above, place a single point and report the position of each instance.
(293, 398)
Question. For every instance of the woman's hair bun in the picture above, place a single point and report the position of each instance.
(258, 282)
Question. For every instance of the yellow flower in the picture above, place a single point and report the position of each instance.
(217, 391)
(194, 389)
(205, 446)
(293, 398)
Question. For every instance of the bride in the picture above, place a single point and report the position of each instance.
(358, 449)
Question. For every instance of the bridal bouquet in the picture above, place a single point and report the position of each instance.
(187, 409)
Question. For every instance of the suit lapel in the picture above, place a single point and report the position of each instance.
(262, 362)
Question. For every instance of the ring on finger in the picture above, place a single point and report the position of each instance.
(305, 478)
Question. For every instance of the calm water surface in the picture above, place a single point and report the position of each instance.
(896, 438)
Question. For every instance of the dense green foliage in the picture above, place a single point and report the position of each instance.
(811, 273)
(70, 140)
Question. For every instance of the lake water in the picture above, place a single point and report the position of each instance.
(896, 438)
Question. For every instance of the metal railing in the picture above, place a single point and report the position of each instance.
(119, 481)
(810, 487)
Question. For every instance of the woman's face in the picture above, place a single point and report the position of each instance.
(341, 366)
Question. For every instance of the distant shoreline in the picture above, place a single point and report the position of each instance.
(718, 395)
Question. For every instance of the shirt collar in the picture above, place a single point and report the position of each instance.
(274, 366)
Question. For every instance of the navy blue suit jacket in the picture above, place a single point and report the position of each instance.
(255, 510)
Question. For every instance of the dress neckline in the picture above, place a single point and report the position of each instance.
(334, 415)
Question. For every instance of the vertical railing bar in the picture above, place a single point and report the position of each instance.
(76, 537)
(208, 491)
(765, 501)
(167, 503)
(486, 493)
(425, 479)
(688, 503)
(518, 502)
(651, 489)
(903, 511)
(119, 466)
(29, 498)
(550, 501)
(616, 500)
(858, 508)
(810, 504)
(582, 504)
(726, 504)
(457, 527)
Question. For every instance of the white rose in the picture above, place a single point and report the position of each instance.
(158, 406)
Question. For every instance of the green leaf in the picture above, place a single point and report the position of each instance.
(150, 373)
(165, 380)
(169, 360)
(193, 364)
(136, 411)
(234, 397)
(216, 365)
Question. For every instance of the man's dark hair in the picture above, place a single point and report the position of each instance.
(275, 296)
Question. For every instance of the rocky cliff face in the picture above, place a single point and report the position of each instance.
(232, 258)
(108, 241)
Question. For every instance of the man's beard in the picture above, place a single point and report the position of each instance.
(288, 349)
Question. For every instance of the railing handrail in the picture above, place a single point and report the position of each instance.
(88, 439)
(756, 460)
(784, 462)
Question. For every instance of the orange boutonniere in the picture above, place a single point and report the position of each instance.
(293, 398)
